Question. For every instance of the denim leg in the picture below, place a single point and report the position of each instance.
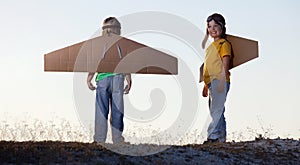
(222, 128)
(102, 109)
(117, 108)
(217, 127)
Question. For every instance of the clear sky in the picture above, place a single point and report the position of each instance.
(264, 92)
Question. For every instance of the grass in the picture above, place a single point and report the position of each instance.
(63, 130)
(61, 142)
(40, 131)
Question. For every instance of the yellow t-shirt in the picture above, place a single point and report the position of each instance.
(213, 60)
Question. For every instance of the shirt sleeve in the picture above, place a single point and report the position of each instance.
(225, 49)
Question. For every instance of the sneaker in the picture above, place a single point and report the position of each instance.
(118, 140)
(99, 142)
(211, 141)
(121, 142)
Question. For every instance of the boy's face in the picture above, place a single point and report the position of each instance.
(214, 29)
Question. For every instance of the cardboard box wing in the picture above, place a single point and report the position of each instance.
(110, 54)
(243, 49)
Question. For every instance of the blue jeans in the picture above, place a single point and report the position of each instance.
(109, 94)
(217, 127)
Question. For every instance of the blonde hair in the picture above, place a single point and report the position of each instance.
(111, 25)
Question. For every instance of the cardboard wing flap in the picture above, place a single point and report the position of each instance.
(110, 54)
(243, 49)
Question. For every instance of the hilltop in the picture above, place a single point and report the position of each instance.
(259, 151)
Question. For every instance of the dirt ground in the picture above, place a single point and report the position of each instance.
(259, 151)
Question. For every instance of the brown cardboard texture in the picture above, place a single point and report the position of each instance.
(110, 54)
(243, 49)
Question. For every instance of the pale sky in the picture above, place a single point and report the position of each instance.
(264, 92)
